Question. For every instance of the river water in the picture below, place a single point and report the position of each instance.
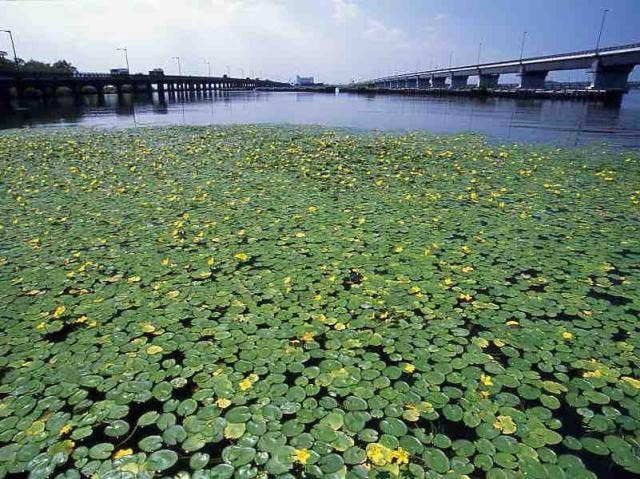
(559, 122)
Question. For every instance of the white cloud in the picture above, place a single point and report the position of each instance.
(440, 16)
(345, 11)
(378, 31)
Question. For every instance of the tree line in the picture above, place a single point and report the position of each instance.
(61, 66)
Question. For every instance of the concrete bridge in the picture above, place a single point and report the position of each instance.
(48, 83)
(610, 68)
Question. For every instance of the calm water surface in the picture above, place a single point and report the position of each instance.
(532, 121)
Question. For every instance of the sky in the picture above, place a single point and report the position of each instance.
(332, 40)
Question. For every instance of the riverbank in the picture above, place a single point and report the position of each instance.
(285, 299)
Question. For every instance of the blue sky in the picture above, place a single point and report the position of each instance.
(334, 40)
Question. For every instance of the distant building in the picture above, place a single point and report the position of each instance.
(2, 54)
(304, 81)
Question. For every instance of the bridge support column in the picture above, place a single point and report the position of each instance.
(610, 77)
(438, 82)
(458, 82)
(423, 83)
(532, 80)
(488, 80)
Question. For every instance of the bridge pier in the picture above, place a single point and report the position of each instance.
(423, 83)
(457, 82)
(532, 80)
(610, 77)
(438, 82)
(488, 80)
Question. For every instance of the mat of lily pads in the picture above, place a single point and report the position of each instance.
(296, 302)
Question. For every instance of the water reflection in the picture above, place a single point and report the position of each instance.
(522, 120)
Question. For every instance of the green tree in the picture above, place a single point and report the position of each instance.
(61, 66)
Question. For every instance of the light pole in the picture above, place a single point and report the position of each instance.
(604, 16)
(228, 71)
(177, 59)
(13, 46)
(126, 57)
(524, 36)
(479, 50)
(208, 63)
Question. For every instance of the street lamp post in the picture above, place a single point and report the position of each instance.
(604, 16)
(479, 50)
(126, 57)
(208, 63)
(524, 36)
(177, 59)
(13, 46)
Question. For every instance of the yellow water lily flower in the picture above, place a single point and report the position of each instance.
(400, 456)
(567, 336)
(66, 429)
(408, 368)
(223, 403)
(245, 384)
(301, 456)
(486, 380)
(505, 425)
(378, 454)
(242, 257)
(122, 452)
(308, 336)
(59, 311)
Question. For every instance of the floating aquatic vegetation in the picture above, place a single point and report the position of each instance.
(248, 302)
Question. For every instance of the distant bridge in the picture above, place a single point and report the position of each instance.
(49, 82)
(610, 67)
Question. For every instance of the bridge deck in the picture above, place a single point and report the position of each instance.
(610, 57)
